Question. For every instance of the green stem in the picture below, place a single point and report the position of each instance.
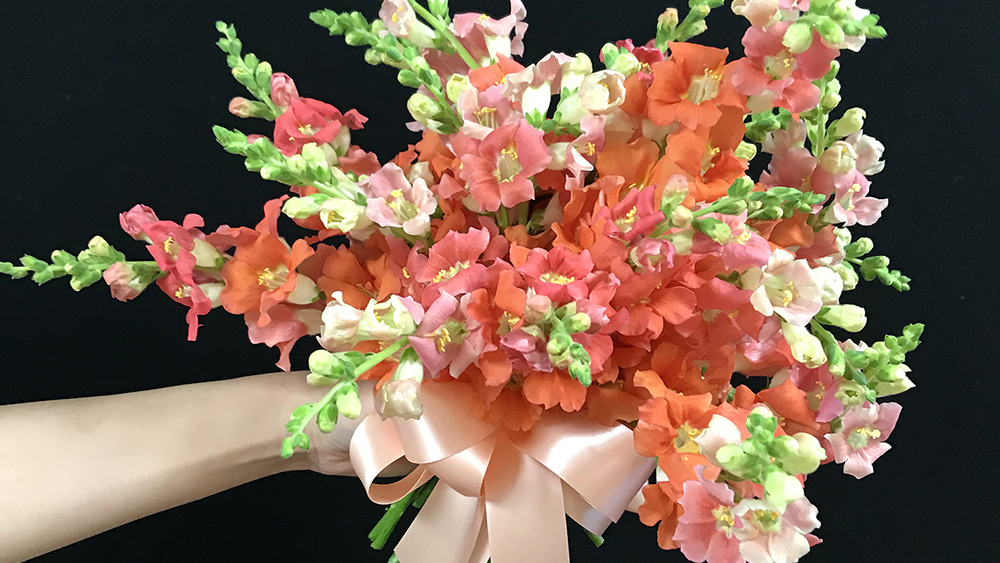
(439, 25)
(383, 529)
(717, 204)
(367, 365)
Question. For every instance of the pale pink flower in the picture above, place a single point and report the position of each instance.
(705, 529)
(485, 37)
(869, 153)
(340, 324)
(603, 91)
(773, 76)
(401, 21)
(862, 436)
(785, 286)
(852, 206)
(448, 338)
(759, 12)
(771, 536)
(134, 220)
(483, 112)
(745, 248)
(394, 202)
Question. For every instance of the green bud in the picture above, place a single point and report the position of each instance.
(373, 57)
(781, 489)
(625, 63)
(609, 53)
(798, 37)
(746, 151)
(316, 380)
(806, 457)
(326, 364)
(100, 247)
(354, 38)
(580, 372)
(829, 101)
(732, 458)
(848, 317)
(830, 31)
(668, 19)
(457, 84)
(349, 403)
(852, 122)
(714, 229)
(423, 108)
(732, 207)
(860, 247)
(559, 343)
(579, 322)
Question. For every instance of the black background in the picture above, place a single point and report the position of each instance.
(106, 104)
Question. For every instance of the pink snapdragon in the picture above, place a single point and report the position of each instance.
(559, 274)
(759, 12)
(635, 215)
(705, 529)
(311, 121)
(452, 265)
(487, 37)
(483, 112)
(851, 205)
(500, 171)
(770, 536)
(401, 21)
(447, 338)
(772, 76)
(745, 248)
(283, 90)
(394, 202)
(786, 287)
(862, 436)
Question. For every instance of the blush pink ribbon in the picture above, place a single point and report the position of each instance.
(501, 494)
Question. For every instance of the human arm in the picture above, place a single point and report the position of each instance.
(73, 468)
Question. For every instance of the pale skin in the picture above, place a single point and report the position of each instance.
(74, 468)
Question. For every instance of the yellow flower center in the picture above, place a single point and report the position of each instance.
(272, 279)
(449, 273)
(704, 87)
(724, 518)
(553, 277)
(684, 443)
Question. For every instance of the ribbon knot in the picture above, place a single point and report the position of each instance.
(500, 494)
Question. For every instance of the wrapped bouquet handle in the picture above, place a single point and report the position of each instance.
(498, 488)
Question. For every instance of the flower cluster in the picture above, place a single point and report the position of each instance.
(566, 237)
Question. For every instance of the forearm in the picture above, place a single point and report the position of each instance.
(74, 468)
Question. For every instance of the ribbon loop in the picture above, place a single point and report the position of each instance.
(500, 494)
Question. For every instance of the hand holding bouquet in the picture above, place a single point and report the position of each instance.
(569, 279)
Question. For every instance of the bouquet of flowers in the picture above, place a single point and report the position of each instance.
(569, 282)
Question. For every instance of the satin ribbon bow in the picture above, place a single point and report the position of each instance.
(500, 494)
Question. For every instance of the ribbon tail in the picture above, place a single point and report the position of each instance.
(446, 530)
(525, 514)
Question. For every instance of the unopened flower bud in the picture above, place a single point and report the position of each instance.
(97, 246)
(806, 457)
(848, 317)
(537, 308)
(668, 19)
(746, 151)
(851, 394)
(558, 344)
(830, 101)
(852, 122)
(206, 255)
(626, 64)
(283, 89)
(423, 108)
(303, 207)
(806, 348)
(573, 73)
(798, 37)
(577, 323)
(732, 458)
(781, 489)
(581, 372)
(124, 281)
(241, 107)
(681, 217)
(326, 364)
(457, 84)
(349, 403)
